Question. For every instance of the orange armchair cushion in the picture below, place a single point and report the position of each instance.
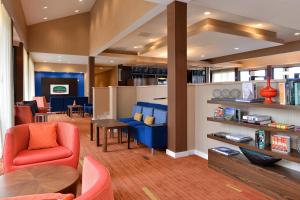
(27, 157)
(42, 136)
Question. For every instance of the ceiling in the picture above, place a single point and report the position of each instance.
(209, 44)
(35, 10)
(75, 59)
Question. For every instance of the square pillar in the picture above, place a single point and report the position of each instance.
(177, 76)
(91, 70)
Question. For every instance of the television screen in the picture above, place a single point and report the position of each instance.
(59, 89)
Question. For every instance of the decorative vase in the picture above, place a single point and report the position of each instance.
(268, 92)
(74, 103)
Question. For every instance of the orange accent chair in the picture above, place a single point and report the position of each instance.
(16, 154)
(23, 115)
(96, 184)
(42, 104)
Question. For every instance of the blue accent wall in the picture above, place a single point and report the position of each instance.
(39, 75)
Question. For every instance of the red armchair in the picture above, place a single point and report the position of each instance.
(23, 115)
(42, 104)
(16, 154)
(96, 184)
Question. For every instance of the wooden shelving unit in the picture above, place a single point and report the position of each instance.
(255, 126)
(292, 156)
(258, 105)
(276, 181)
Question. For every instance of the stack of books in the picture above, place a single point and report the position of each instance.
(238, 138)
(289, 92)
(225, 151)
(257, 119)
(281, 143)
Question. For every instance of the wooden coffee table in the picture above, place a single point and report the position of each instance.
(38, 180)
(108, 124)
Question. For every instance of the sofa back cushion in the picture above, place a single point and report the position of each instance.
(42, 135)
(160, 116)
(147, 111)
(136, 109)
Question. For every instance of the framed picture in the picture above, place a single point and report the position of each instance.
(59, 89)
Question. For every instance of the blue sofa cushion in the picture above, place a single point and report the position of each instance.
(136, 109)
(126, 120)
(135, 123)
(147, 111)
(160, 116)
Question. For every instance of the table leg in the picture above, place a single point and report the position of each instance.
(97, 137)
(92, 132)
(118, 135)
(121, 135)
(128, 133)
(104, 147)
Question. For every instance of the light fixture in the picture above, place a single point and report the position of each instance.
(77, 11)
(45, 18)
(296, 34)
(207, 13)
(236, 48)
(258, 25)
(80, 0)
(45, 7)
(202, 56)
(137, 47)
(111, 61)
(151, 40)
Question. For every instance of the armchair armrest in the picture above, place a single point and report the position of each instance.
(157, 125)
(68, 136)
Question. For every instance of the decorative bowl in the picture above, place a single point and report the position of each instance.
(259, 158)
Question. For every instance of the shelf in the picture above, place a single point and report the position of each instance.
(259, 105)
(276, 181)
(255, 126)
(292, 156)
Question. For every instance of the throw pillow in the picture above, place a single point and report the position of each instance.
(42, 136)
(149, 120)
(138, 117)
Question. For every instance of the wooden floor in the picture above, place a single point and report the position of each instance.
(136, 174)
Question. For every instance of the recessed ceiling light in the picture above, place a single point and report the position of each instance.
(45, 18)
(111, 61)
(207, 13)
(236, 48)
(77, 11)
(137, 47)
(258, 25)
(45, 7)
(296, 34)
(202, 56)
(80, 0)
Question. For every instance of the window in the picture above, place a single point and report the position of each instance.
(258, 74)
(223, 76)
(244, 75)
(279, 73)
(294, 72)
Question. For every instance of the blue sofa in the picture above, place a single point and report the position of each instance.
(60, 104)
(88, 108)
(154, 136)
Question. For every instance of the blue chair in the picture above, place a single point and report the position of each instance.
(88, 108)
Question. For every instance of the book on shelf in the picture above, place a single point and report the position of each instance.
(281, 143)
(238, 138)
(249, 90)
(253, 100)
(297, 93)
(261, 139)
(221, 134)
(226, 151)
(282, 94)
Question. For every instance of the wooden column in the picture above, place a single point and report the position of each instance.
(91, 77)
(177, 76)
(18, 72)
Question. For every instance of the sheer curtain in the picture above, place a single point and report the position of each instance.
(6, 75)
(25, 76)
(31, 78)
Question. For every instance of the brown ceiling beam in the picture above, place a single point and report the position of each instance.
(286, 48)
(214, 25)
(135, 59)
(114, 51)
